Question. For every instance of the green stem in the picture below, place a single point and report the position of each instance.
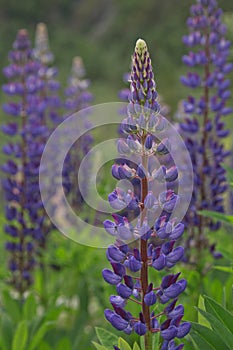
(148, 341)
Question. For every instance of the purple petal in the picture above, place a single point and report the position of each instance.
(183, 329)
(124, 291)
(110, 277)
(159, 263)
(133, 264)
(115, 254)
(169, 333)
(150, 298)
(140, 328)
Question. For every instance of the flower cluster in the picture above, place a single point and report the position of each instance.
(153, 237)
(49, 93)
(77, 99)
(203, 127)
(48, 99)
(27, 225)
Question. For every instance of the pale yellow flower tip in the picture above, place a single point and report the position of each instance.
(141, 47)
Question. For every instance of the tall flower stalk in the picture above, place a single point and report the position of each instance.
(78, 97)
(155, 233)
(49, 107)
(203, 127)
(28, 226)
(49, 100)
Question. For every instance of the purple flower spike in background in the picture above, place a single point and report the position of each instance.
(77, 99)
(18, 182)
(203, 127)
(28, 225)
(49, 103)
(156, 234)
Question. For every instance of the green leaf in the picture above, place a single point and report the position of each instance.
(11, 306)
(7, 331)
(64, 344)
(21, 336)
(29, 308)
(224, 268)
(219, 312)
(39, 335)
(35, 323)
(227, 255)
(229, 171)
(209, 336)
(142, 344)
(123, 345)
(222, 331)
(106, 338)
(201, 319)
(45, 346)
(136, 346)
(228, 219)
(98, 346)
(155, 340)
(201, 343)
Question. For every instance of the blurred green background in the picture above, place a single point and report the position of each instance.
(104, 32)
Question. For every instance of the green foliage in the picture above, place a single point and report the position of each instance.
(123, 345)
(21, 336)
(21, 327)
(227, 219)
(217, 331)
(106, 338)
(136, 346)
(229, 171)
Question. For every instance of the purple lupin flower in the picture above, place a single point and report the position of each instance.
(49, 102)
(203, 127)
(27, 223)
(78, 98)
(77, 95)
(156, 234)
(42, 50)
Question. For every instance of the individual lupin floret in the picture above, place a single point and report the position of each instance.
(155, 231)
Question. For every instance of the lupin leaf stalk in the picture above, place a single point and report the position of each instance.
(157, 310)
(203, 127)
(21, 186)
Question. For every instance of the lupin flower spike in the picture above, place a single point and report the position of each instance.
(203, 128)
(156, 234)
(26, 224)
(78, 98)
(42, 50)
(50, 101)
